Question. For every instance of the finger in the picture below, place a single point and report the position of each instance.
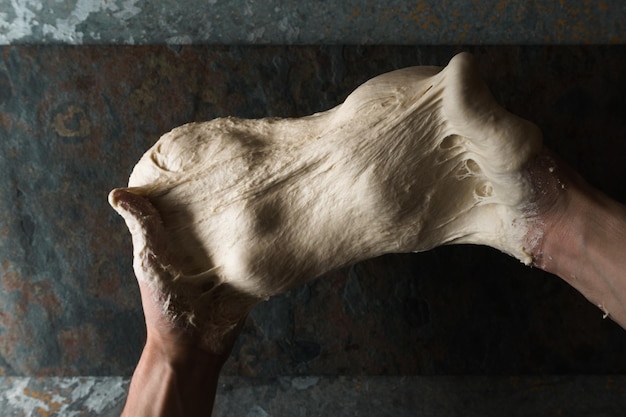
(151, 258)
(141, 217)
(129, 202)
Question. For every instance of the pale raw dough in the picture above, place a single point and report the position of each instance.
(413, 159)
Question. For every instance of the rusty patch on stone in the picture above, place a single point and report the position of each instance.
(72, 123)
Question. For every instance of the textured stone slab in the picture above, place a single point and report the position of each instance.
(315, 396)
(432, 22)
(411, 396)
(74, 120)
(66, 397)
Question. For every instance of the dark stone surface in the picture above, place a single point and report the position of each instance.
(442, 396)
(323, 396)
(74, 120)
(432, 22)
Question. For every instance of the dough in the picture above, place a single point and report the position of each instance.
(413, 159)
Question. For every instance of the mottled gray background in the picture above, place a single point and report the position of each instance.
(76, 119)
(398, 22)
(78, 109)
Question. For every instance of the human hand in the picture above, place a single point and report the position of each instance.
(166, 293)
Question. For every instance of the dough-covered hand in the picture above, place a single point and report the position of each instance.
(166, 293)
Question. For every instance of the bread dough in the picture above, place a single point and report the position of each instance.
(413, 159)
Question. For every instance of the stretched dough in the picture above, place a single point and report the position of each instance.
(413, 159)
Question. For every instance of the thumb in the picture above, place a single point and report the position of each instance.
(146, 229)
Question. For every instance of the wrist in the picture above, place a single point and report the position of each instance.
(558, 219)
(168, 380)
(183, 356)
(582, 232)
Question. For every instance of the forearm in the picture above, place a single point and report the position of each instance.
(584, 243)
(181, 385)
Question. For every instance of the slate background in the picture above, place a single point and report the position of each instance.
(288, 22)
(74, 120)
